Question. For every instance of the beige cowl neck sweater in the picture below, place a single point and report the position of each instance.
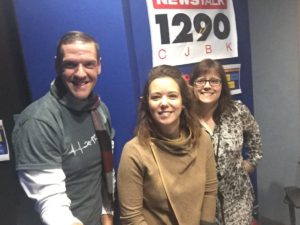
(167, 183)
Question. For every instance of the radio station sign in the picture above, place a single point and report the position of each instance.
(187, 31)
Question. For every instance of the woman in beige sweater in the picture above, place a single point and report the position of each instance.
(167, 172)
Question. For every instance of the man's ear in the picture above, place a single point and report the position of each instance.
(56, 65)
(99, 67)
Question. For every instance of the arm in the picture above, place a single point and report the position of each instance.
(107, 205)
(252, 139)
(47, 188)
(107, 219)
(130, 187)
(211, 188)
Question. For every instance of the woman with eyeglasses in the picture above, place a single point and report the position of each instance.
(167, 173)
(231, 127)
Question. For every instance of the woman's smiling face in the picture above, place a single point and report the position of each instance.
(165, 105)
(208, 87)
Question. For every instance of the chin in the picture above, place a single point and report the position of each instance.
(80, 96)
(205, 101)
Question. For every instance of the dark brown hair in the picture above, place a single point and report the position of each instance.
(206, 66)
(146, 127)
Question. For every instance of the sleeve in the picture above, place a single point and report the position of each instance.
(130, 187)
(47, 188)
(211, 187)
(252, 136)
(107, 204)
(37, 145)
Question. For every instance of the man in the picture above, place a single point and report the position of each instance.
(62, 141)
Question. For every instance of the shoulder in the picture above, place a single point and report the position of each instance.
(105, 115)
(237, 107)
(134, 153)
(135, 148)
(204, 137)
(241, 108)
(239, 104)
(103, 108)
(133, 145)
(204, 140)
(44, 111)
(104, 112)
(205, 146)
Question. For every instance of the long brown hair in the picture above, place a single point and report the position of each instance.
(146, 127)
(206, 66)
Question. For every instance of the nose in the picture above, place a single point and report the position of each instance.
(164, 101)
(207, 84)
(80, 71)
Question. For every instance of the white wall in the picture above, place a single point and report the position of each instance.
(274, 29)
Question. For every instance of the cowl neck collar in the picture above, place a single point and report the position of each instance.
(181, 145)
(64, 97)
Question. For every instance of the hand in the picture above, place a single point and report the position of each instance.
(247, 166)
(107, 219)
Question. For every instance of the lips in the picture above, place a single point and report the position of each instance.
(79, 83)
(164, 114)
(207, 93)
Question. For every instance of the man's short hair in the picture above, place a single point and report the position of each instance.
(72, 37)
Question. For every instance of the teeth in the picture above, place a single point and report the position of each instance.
(164, 113)
(79, 83)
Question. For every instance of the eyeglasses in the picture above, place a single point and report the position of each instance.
(212, 82)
